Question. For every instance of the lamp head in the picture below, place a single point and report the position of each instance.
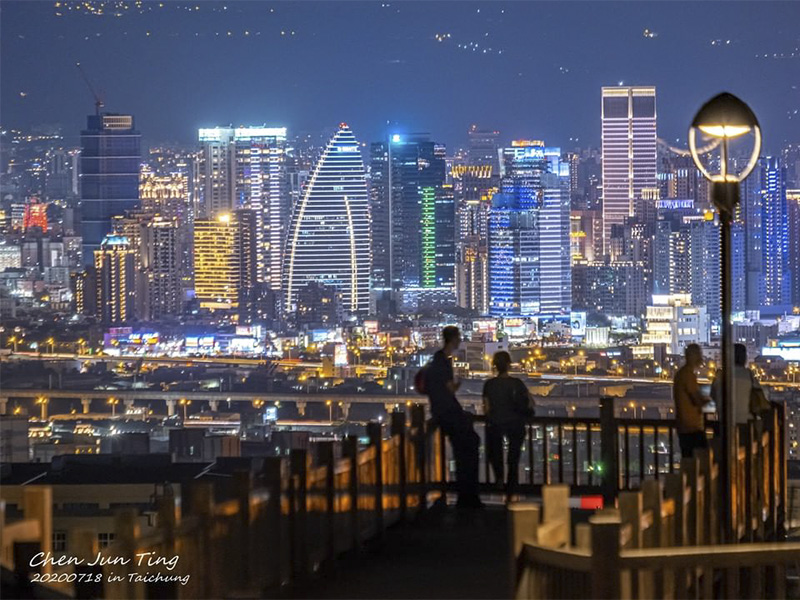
(725, 139)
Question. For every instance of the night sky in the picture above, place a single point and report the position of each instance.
(529, 69)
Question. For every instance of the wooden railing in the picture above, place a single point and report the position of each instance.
(664, 540)
(258, 533)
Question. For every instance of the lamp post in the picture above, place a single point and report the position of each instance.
(725, 141)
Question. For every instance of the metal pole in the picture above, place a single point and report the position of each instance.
(726, 197)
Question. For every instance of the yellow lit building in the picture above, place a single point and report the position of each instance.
(116, 280)
(217, 262)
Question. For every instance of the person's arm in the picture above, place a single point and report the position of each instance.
(525, 401)
(695, 395)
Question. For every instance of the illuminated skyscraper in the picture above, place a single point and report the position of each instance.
(629, 153)
(160, 256)
(245, 168)
(483, 147)
(116, 280)
(217, 262)
(329, 235)
(529, 226)
(775, 234)
(408, 175)
(109, 173)
(793, 211)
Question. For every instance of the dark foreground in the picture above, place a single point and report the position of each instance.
(446, 554)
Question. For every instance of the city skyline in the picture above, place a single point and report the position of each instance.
(398, 54)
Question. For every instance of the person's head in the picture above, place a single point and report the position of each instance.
(740, 355)
(694, 355)
(501, 361)
(451, 337)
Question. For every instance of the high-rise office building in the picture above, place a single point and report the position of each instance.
(793, 212)
(329, 235)
(529, 226)
(775, 234)
(407, 179)
(483, 147)
(474, 186)
(109, 175)
(245, 168)
(116, 280)
(629, 153)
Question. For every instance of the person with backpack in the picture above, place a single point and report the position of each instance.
(440, 385)
(507, 404)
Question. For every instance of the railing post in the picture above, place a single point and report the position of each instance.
(420, 453)
(522, 527)
(299, 483)
(243, 482)
(277, 551)
(375, 435)
(605, 555)
(83, 545)
(325, 455)
(350, 451)
(398, 428)
(609, 454)
(37, 503)
(202, 507)
(779, 419)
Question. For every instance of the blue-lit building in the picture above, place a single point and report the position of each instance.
(109, 175)
(413, 214)
(776, 281)
(529, 262)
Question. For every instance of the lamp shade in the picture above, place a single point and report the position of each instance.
(725, 139)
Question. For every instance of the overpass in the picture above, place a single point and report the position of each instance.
(213, 399)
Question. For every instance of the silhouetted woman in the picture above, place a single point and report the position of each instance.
(507, 405)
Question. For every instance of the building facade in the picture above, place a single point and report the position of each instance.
(329, 234)
(529, 229)
(407, 188)
(246, 168)
(115, 269)
(109, 175)
(629, 153)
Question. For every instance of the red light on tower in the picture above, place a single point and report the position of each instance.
(35, 216)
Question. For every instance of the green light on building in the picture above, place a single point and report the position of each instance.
(428, 195)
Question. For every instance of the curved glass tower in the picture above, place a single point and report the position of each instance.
(329, 235)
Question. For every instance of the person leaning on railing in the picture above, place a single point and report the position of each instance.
(507, 405)
(689, 403)
(440, 385)
(749, 399)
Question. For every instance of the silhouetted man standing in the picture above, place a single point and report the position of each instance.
(689, 402)
(454, 421)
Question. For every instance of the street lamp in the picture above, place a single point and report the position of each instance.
(51, 342)
(184, 402)
(113, 402)
(725, 141)
(42, 402)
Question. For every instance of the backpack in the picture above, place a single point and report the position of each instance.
(420, 380)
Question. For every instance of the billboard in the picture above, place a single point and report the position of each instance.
(340, 355)
(577, 322)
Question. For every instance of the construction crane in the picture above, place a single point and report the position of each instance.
(98, 101)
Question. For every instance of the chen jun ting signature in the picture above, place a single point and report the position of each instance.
(141, 559)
